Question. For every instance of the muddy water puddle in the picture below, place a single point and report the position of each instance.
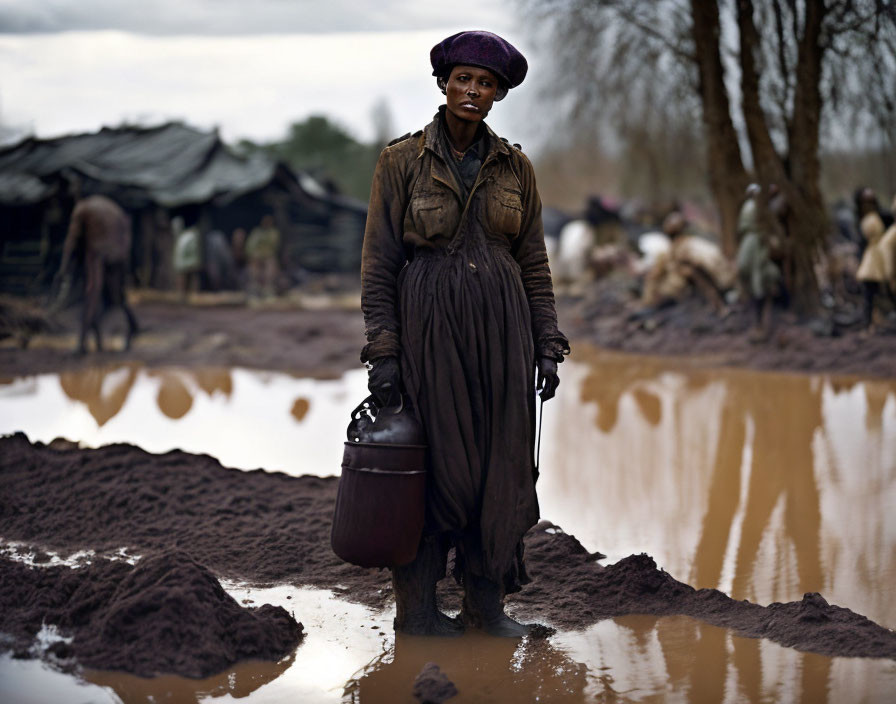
(763, 485)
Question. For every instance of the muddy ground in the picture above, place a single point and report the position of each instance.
(279, 335)
(188, 518)
(199, 521)
(309, 337)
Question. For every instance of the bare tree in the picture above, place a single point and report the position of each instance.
(766, 76)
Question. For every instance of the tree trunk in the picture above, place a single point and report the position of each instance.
(727, 176)
(767, 163)
(808, 222)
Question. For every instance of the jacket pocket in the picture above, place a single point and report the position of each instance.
(504, 209)
(429, 214)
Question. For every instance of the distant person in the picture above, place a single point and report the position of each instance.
(99, 235)
(690, 261)
(262, 251)
(187, 256)
(875, 272)
(611, 250)
(760, 277)
(866, 202)
(219, 268)
(778, 212)
(238, 251)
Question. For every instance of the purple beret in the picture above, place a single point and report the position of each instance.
(480, 49)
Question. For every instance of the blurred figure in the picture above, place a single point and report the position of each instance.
(875, 272)
(866, 202)
(238, 251)
(590, 247)
(690, 261)
(760, 277)
(262, 250)
(779, 239)
(611, 249)
(573, 252)
(99, 235)
(219, 269)
(187, 256)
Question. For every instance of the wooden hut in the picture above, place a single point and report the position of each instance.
(156, 173)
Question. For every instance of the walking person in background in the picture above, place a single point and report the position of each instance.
(99, 236)
(459, 313)
(262, 252)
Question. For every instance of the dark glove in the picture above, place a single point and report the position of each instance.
(384, 381)
(547, 378)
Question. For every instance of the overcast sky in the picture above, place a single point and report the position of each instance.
(249, 68)
(241, 17)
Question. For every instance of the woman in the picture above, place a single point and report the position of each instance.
(875, 268)
(459, 312)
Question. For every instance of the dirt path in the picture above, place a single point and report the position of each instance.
(325, 342)
(282, 337)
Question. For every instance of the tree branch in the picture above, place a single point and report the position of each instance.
(625, 13)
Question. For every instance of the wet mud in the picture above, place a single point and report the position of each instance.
(166, 615)
(609, 317)
(282, 337)
(326, 342)
(268, 527)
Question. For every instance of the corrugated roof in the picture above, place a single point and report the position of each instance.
(173, 164)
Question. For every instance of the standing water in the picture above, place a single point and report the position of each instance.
(763, 485)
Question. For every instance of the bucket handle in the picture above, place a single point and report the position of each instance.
(368, 405)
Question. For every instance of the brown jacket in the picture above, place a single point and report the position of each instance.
(415, 204)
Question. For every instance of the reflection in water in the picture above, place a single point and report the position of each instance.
(103, 390)
(674, 658)
(213, 381)
(174, 398)
(781, 489)
(239, 682)
(491, 669)
(300, 409)
(764, 485)
(247, 419)
(748, 482)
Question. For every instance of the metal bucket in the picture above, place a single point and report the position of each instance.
(379, 513)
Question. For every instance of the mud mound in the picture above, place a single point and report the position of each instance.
(584, 592)
(257, 526)
(166, 615)
(266, 527)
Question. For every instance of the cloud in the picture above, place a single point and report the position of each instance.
(239, 17)
(249, 86)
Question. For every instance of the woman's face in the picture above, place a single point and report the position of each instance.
(470, 92)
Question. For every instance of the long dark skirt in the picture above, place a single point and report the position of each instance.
(468, 365)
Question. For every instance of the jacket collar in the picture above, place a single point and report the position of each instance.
(432, 138)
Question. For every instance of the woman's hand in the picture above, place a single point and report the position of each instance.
(547, 378)
(384, 381)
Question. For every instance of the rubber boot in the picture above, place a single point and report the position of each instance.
(414, 586)
(484, 608)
